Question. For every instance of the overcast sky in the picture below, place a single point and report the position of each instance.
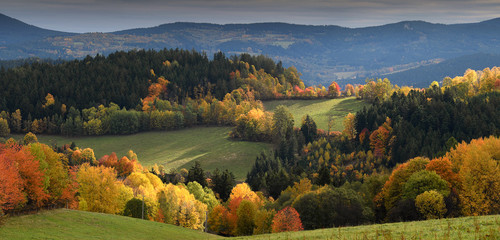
(113, 15)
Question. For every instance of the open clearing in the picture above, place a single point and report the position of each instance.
(320, 110)
(211, 146)
(72, 224)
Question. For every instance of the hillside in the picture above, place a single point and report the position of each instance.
(71, 224)
(422, 76)
(321, 53)
(211, 146)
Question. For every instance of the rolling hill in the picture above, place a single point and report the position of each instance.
(72, 224)
(321, 53)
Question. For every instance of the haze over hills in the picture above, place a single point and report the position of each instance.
(321, 53)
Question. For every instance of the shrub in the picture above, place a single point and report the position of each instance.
(431, 204)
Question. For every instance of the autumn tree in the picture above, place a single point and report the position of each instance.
(100, 191)
(203, 194)
(443, 167)
(349, 126)
(11, 190)
(4, 128)
(246, 215)
(334, 90)
(178, 206)
(423, 181)
(349, 90)
(244, 192)
(380, 139)
(218, 220)
(145, 185)
(29, 138)
(479, 169)
(286, 220)
(55, 173)
(431, 204)
(393, 189)
(263, 221)
(32, 176)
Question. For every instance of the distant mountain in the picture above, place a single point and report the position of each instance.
(421, 77)
(15, 31)
(321, 53)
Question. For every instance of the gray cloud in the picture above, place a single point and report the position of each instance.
(111, 15)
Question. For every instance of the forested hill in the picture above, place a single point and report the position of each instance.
(422, 76)
(124, 78)
(321, 53)
(13, 31)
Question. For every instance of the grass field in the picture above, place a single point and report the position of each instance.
(484, 227)
(211, 146)
(71, 224)
(320, 110)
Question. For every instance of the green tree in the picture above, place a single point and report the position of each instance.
(196, 174)
(246, 215)
(223, 183)
(283, 134)
(424, 181)
(203, 194)
(133, 208)
(309, 129)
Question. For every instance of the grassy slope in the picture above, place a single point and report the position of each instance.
(320, 110)
(176, 149)
(72, 224)
(484, 227)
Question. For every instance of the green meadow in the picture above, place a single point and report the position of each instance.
(211, 146)
(320, 110)
(72, 224)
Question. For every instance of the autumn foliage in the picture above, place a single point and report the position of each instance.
(32, 177)
(286, 220)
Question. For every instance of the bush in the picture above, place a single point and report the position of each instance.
(404, 210)
(431, 204)
(133, 208)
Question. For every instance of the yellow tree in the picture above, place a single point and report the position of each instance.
(244, 192)
(145, 185)
(100, 191)
(479, 170)
(349, 126)
(178, 206)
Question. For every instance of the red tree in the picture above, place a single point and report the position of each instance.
(11, 187)
(334, 90)
(32, 176)
(288, 219)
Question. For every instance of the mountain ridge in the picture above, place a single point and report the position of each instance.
(321, 52)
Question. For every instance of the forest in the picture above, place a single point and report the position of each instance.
(412, 154)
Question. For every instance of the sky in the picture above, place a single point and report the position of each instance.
(114, 15)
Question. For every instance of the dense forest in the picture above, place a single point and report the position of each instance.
(123, 77)
(412, 154)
